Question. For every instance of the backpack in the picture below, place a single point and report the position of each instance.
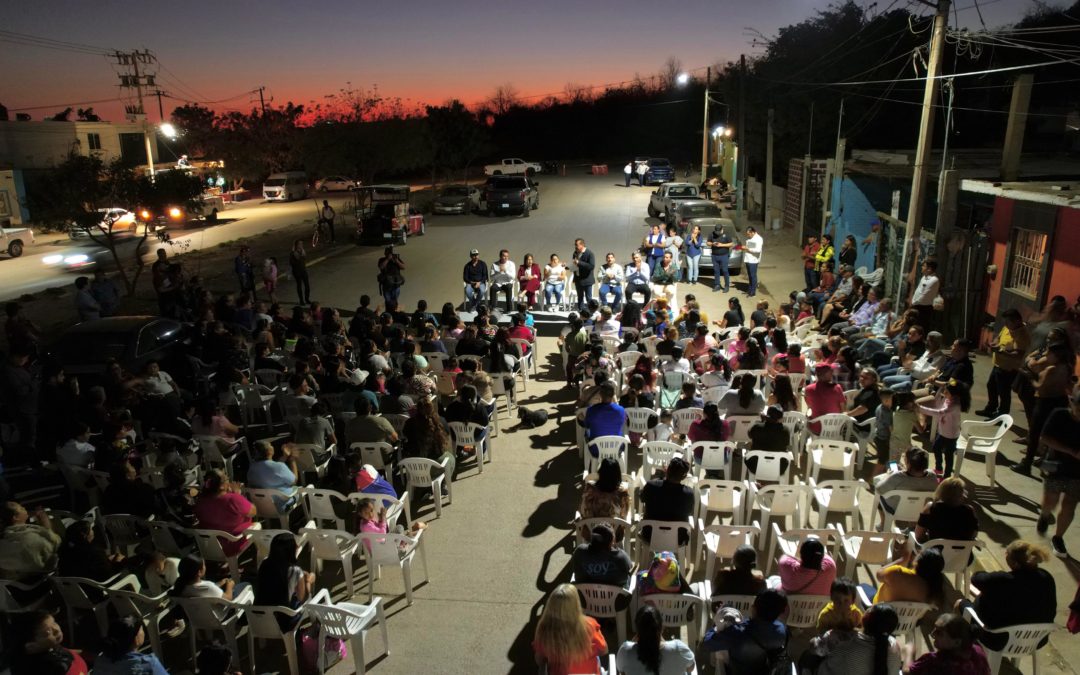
(777, 660)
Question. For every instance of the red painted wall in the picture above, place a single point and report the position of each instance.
(999, 235)
(1065, 268)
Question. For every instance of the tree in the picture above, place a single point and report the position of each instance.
(669, 74)
(62, 116)
(87, 115)
(454, 137)
(504, 98)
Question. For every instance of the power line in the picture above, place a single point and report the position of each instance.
(923, 79)
(68, 105)
(28, 40)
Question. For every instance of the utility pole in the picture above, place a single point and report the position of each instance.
(705, 128)
(134, 79)
(160, 108)
(926, 136)
(768, 171)
(1014, 133)
(742, 158)
(262, 101)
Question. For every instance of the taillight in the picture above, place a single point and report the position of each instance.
(523, 194)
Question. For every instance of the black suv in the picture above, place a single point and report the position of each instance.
(511, 193)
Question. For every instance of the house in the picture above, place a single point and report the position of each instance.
(28, 145)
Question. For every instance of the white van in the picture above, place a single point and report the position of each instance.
(285, 187)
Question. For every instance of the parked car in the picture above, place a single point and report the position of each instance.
(689, 212)
(736, 258)
(14, 240)
(511, 193)
(336, 184)
(119, 221)
(660, 169)
(461, 199)
(285, 187)
(132, 340)
(662, 201)
(513, 166)
(383, 214)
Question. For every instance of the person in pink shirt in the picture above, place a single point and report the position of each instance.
(220, 506)
(812, 573)
(955, 399)
(519, 331)
(823, 396)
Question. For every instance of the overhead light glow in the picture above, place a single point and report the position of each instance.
(168, 130)
(683, 78)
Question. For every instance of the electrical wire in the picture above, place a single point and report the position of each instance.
(28, 40)
(68, 105)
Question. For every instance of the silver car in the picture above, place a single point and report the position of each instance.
(708, 225)
(461, 199)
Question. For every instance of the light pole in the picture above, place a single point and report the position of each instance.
(705, 127)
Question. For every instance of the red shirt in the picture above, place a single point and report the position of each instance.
(823, 399)
(586, 664)
(809, 251)
(227, 512)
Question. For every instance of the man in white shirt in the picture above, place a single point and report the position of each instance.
(920, 369)
(922, 298)
(611, 281)
(751, 258)
(158, 382)
(642, 169)
(503, 273)
(77, 451)
(637, 278)
(605, 325)
(628, 171)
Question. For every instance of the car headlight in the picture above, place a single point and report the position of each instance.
(52, 259)
(77, 259)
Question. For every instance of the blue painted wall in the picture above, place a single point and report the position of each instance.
(854, 214)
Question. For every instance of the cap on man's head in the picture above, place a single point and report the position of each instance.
(774, 412)
(474, 252)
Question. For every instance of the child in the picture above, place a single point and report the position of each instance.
(841, 614)
(523, 309)
(956, 398)
(883, 431)
(452, 366)
(689, 398)
(663, 430)
(270, 272)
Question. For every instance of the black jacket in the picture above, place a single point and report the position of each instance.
(586, 265)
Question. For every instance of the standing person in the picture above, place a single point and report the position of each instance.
(809, 255)
(694, 246)
(85, 304)
(824, 255)
(849, 253)
(159, 273)
(637, 275)
(584, 277)
(475, 276)
(611, 281)
(270, 275)
(751, 258)
(245, 270)
(105, 292)
(922, 298)
(503, 272)
(1052, 385)
(327, 215)
(721, 244)
(566, 640)
(1062, 468)
(674, 244)
(528, 275)
(1008, 348)
(642, 172)
(956, 399)
(654, 245)
(390, 278)
(298, 266)
(628, 172)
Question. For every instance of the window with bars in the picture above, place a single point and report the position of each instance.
(1026, 263)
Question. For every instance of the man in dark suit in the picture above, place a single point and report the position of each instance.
(584, 277)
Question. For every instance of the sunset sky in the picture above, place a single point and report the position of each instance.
(424, 51)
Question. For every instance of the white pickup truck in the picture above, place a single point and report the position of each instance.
(14, 239)
(511, 166)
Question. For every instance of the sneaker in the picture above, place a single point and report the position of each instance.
(1058, 544)
(1044, 523)
(1022, 469)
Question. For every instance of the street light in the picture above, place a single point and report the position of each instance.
(168, 130)
(683, 78)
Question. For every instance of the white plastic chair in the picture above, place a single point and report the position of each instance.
(419, 476)
(656, 455)
(163, 535)
(720, 542)
(210, 549)
(392, 549)
(584, 526)
(628, 359)
(639, 419)
(715, 456)
(803, 610)
(436, 361)
(217, 451)
(958, 559)
(150, 609)
(76, 594)
(397, 422)
(831, 455)
(866, 430)
(834, 426)
(613, 447)
(526, 354)
(212, 616)
(739, 426)
(723, 497)
(782, 501)
(306, 453)
(336, 545)
(319, 506)
(795, 423)
(347, 621)
(374, 454)
(125, 531)
(865, 547)
(663, 536)
(910, 615)
(982, 438)
(272, 504)
(678, 610)
(605, 601)
(464, 435)
(712, 394)
(1023, 640)
(769, 466)
(86, 481)
(909, 505)
(839, 496)
(262, 624)
(683, 418)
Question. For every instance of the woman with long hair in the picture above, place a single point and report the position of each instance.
(753, 358)
(649, 653)
(923, 582)
(783, 394)
(426, 437)
(565, 639)
(601, 561)
(744, 398)
(645, 367)
(711, 427)
(630, 316)
(778, 343)
(528, 275)
(872, 651)
(220, 506)
(607, 496)
(733, 316)
(121, 653)
(281, 582)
